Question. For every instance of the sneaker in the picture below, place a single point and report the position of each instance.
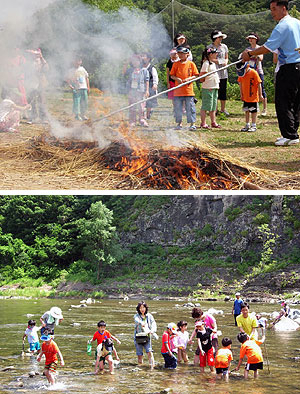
(286, 141)
(279, 138)
(246, 128)
(77, 117)
(225, 112)
(251, 129)
(193, 128)
(264, 113)
(85, 117)
(178, 127)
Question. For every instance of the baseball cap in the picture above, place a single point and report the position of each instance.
(182, 50)
(172, 327)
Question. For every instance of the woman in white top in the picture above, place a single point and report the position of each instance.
(222, 60)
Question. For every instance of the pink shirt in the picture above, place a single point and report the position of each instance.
(210, 322)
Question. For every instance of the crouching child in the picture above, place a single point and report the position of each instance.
(250, 348)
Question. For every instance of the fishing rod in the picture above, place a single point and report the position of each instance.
(164, 92)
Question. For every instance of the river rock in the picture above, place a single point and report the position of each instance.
(75, 324)
(29, 315)
(227, 298)
(294, 314)
(9, 368)
(213, 311)
(31, 374)
(166, 391)
(286, 324)
(189, 305)
(79, 306)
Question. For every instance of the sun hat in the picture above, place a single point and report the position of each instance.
(172, 327)
(182, 49)
(181, 36)
(56, 312)
(237, 293)
(45, 337)
(219, 34)
(199, 323)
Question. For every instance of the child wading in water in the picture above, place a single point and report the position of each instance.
(104, 353)
(183, 338)
(250, 348)
(101, 335)
(210, 87)
(223, 359)
(50, 350)
(204, 337)
(170, 359)
(32, 336)
(183, 71)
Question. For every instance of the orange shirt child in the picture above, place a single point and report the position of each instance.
(183, 71)
(101, 336)
(253, 352)
(50, 350)
(250, 86)
(223, 357)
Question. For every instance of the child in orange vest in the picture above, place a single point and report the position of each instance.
(223, 359)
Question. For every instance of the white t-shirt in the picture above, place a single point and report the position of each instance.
(211, 81)
(80, 78)
(32, 335)
(183, 338)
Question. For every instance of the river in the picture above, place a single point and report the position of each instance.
(77, 376)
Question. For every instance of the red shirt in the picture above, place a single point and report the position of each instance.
(165, 340)
(50, 350)
(101, 337)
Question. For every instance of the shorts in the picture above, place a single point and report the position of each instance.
(207, 358)
(102, 358)
(251, 107)
(209, 99)
(223, 89)
(223, 371)
(171, 94)
(140, 348)
(52, 367)
(34, 346)
(254, 367)
(152, 103)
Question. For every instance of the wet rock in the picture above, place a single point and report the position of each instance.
(213, 311)
(20, 384)
(75, 324)
(79, 306)
(211, 299)
(189, 305)
(31, 374)
(9, 368)
(286, 324)
(166, 391)
(227, 298)
(29, 315)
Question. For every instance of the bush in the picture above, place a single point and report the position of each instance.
(261, 218)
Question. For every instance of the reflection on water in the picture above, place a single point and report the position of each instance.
(77, 376)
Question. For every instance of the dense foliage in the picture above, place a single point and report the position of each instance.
(48, 238)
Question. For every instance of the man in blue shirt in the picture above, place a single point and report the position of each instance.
(236, 309)
(286, 39)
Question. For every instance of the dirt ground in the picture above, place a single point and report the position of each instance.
(25, 166)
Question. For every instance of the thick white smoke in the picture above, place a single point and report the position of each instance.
(66, 28)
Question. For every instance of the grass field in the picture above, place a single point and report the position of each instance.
(23, 168)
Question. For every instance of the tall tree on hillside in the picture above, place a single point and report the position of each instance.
(96, 236)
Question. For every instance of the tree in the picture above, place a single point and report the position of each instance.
(109, 5)
(96, 236)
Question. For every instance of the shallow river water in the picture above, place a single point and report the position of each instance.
(283, 351)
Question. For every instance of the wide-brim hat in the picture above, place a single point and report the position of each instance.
(219, 34)
(56, 312)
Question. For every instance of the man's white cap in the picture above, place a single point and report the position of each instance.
(237, 293)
